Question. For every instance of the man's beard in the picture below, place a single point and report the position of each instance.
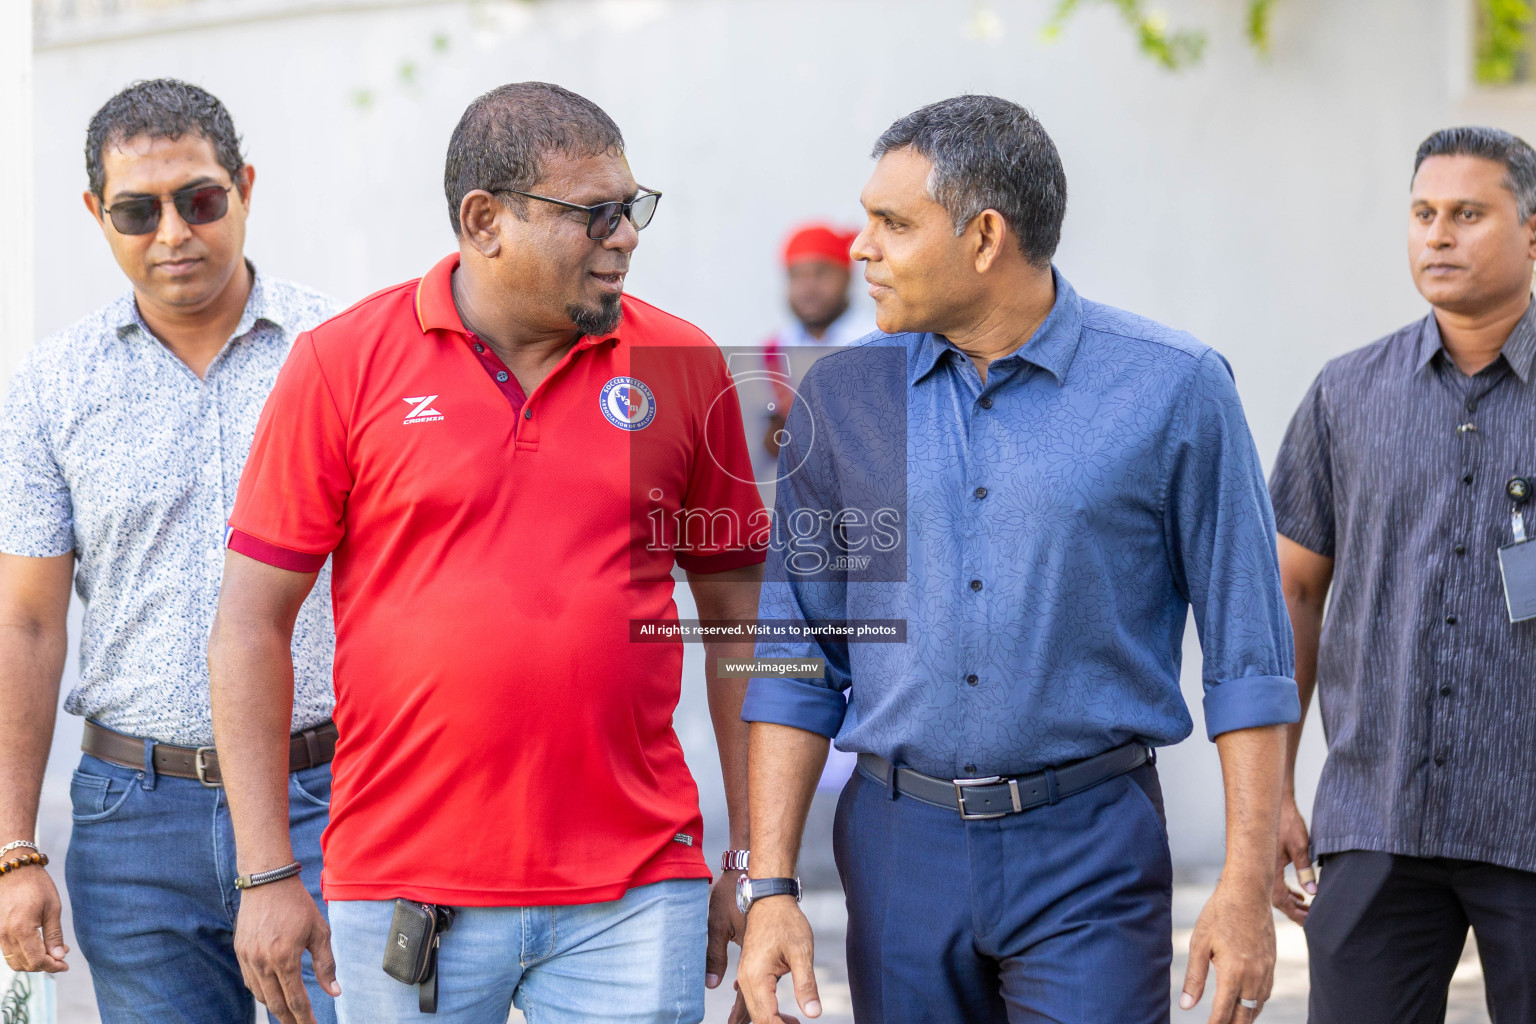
(823, 319)
(600, 320)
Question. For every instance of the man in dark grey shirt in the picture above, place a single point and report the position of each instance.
(1394, 486)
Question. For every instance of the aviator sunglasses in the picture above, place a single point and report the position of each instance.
(603, 219)
(200, 204)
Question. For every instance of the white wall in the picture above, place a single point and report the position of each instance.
(1259, 203)
(15, 181)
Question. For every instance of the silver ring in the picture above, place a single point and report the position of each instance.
(1248, 1004)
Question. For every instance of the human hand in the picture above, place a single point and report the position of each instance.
(31, 937)
(1236, 932)
(727, 924)
(276, 924)
(1294, 849)
(778, 942)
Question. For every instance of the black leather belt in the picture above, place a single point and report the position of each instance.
(999, 795)
(306, 750)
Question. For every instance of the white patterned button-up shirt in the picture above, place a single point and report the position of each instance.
(111, 447)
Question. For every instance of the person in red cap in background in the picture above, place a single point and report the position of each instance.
(818, 265)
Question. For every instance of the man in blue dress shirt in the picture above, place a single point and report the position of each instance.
(1068, 481)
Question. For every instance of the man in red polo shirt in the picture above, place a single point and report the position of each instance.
(503, 460)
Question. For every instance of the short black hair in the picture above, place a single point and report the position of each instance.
(160, 108)
(989, 153)
(502, 139)
(1495, 144)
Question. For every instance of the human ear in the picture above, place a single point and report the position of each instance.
(93, 204)
(244, 182)
(992, 233)
(478, 222)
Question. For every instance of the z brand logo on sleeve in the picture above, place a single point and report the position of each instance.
(421, 409)
(627, 403)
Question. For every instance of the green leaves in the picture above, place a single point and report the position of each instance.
(1503, 41)
(1258, 24)
(1173, 49)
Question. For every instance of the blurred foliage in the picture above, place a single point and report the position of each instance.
(1172, 48)
(1503, 41)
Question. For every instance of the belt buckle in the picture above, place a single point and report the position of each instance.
(961, 785)
(201, 764)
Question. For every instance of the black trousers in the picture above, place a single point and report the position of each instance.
(1385, 933)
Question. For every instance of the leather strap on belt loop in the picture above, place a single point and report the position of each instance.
(312, 745)
(1052, 793)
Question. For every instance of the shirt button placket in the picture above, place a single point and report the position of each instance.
(977, 541)
(1441, 731)
(213, 477)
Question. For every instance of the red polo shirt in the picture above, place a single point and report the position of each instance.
(501, 740)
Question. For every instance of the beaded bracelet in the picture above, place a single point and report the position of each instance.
(40, 859)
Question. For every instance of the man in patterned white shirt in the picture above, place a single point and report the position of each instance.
(120, 451)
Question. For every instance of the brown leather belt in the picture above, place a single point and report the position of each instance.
(306, 750)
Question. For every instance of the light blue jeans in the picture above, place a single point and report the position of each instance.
(638, 959)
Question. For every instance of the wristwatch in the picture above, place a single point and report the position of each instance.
(750, 890)
(734, 860)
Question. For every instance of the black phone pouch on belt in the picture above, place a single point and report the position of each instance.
(411, 953)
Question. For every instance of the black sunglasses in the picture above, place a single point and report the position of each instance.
(603, 219)
(200, 204)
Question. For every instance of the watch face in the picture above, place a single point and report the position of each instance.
(743, 893)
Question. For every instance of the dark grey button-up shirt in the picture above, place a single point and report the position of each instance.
(1395, 466)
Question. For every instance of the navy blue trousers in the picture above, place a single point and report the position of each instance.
(1062, 913)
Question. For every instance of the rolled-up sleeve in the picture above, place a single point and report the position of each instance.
(798, 599)
(815, 705)
(1222, 534)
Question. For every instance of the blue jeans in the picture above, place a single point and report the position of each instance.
(636, 960)
(1062, 913)
(151, 876)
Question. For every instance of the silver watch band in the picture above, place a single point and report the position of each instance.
(734, 860)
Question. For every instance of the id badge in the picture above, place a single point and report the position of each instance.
(1517, 563)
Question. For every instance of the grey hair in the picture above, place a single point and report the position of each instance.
(1494, 144)
(989, 154)
(160, 108)
(503, 137)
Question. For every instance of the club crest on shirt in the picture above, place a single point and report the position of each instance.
(627, 403)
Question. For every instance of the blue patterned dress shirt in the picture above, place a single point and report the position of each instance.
(1060, 520)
